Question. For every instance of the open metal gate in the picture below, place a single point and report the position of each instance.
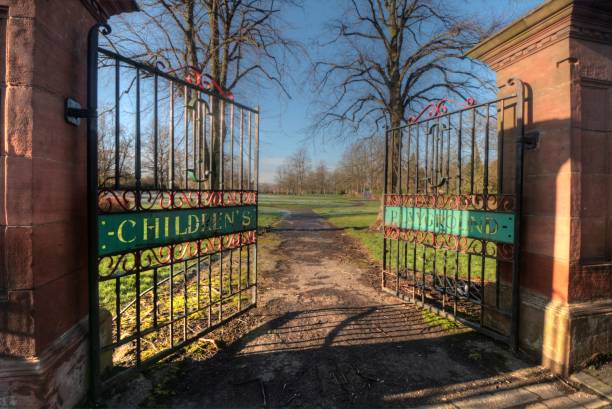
(453, 187)
(172, 200)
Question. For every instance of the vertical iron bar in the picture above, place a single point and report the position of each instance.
(459, 191)
(520, 127)
(118, 307)
(221, 282)
(241, 150)
(92, 209)
(448, 155)
(155, 133)
(171, 145)
(473, 156)
(256, 170)
(485, 193)
(171, 295)
(386, 177)
(250, 133)
(232, 145)
(427, 158)
(185, 296)
(138, 143)
(186, 133)
(408, 161)
(139, 207)
(138, 323)
(155, 301)
(210, 302)
(418, 148)
(221, 147)
(117, 122)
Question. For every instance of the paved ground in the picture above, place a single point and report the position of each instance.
(597, 378)
(324, 336)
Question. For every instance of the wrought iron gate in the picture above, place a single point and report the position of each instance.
(453, 187)
(172, 175)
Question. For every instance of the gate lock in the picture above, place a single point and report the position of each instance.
(530, 140)
(73, 111)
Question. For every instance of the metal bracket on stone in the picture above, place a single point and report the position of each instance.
(73, 112)
(530, 139)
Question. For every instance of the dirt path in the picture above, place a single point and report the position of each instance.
(324, 336)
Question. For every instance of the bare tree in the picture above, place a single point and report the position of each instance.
(217, 44)
(394, 57)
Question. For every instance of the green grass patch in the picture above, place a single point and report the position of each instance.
(435, 320)
(309, 201)
(268, 216)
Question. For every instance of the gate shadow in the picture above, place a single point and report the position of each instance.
(370, 357)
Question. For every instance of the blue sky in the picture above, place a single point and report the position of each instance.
(285, 121)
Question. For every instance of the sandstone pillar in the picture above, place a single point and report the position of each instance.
(43, 257)
(563, 52)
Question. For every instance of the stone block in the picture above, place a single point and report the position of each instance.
(59, 248)
(20, 8)
(594, 151)
(59, 192)
(19, 108)
(17, 187)
(593, 239)
(17, 325)
(545, 195)
(18, 251)
(545, 275)
(594, 108)
(547, 235)
(56, 309)
(594, 191)
(52, 137)
(553, 153)
(20, 36)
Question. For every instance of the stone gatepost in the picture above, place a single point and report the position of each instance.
(563, 52)
(43, 257)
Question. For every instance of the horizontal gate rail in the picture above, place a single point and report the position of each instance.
(172, 203)
(452, 200)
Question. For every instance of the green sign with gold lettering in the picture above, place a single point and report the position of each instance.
(119, 232)
(468, 223)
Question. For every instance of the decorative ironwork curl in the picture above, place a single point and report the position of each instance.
(498, 203)
(116, 201)
(201, 80)
(452, 242)
(439, 108)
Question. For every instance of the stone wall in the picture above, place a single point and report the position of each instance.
(43, 353)
(563, 52)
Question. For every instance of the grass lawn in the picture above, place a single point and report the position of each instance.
(357, 215)
(353, 215)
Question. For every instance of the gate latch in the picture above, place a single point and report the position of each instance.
(73, 111)
(530, 139)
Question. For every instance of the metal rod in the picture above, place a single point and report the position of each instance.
(520, 127)
(155, 133)
(117, 123)
(241, 148)
(92, 207)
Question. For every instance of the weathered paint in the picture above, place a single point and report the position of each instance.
(492, 226)
(119, 232)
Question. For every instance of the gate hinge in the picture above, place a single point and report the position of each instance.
(73, 112)
(530, 139)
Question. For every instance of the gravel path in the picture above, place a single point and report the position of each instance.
(325, 336)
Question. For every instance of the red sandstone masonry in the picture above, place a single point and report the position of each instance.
(44, 189)
(563, 52)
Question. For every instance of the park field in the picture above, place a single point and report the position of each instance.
(353, 215)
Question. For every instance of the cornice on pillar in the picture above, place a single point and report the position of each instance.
(553, 21)
(102, 10)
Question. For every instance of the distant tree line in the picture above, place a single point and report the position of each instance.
(359, 172)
